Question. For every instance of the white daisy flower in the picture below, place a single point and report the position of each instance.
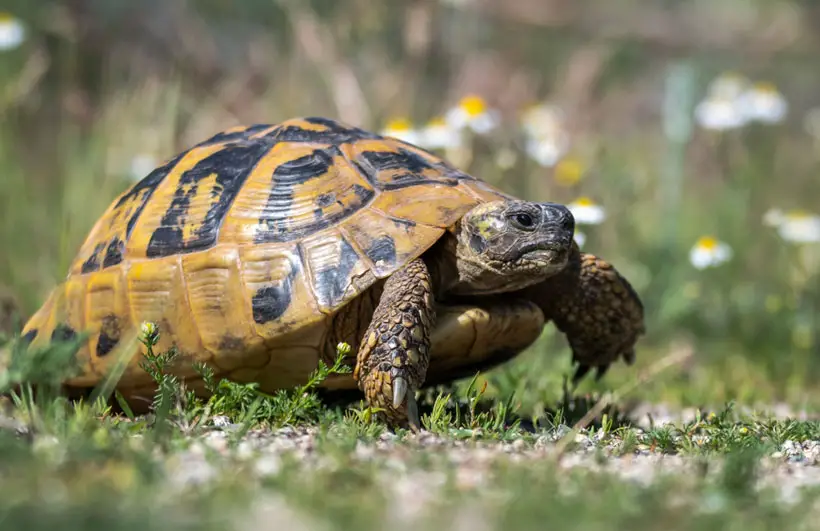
(724, 106)
(773, 217)
(586, 211)
(708, 251)
(472, 112)
(763, 102)
(402, 129)
(720, 114)
(505, 158)
(543, 120)
(141, 165)
(728, 85)
(799, 227)
(580, 238)
(546, 151)
(438, 134)
(12, 32)
(546, 138)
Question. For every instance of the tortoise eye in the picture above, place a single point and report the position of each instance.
(523, 220)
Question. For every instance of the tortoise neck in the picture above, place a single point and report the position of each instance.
(442, 264)
(550, 293)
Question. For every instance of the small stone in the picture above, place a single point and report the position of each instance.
(221, 421)
(217, 440)
(364, 451)
(245, 450)
(268, 465)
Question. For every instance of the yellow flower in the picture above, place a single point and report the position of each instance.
(708, 251)
(438, 134)
(586, 211)
(402, 129)
(472, 112)
(149, 332)
(12, 32)
(568, 172)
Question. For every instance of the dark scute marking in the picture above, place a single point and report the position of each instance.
(235, 135)
(318, 213)
(232, 165)
(335, 133)
(146, 188)
(114, 253)
(274, 226)
(63, 332)
(382, 248)
(271, 302)
(412, 164)
(332, 282)
(109, 335)
(477, 243)
(403, 222)
(93, 262)
(326, 199)
(231, 343)
(29, 336)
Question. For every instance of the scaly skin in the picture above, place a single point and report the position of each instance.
(395, 352)
(596, 308)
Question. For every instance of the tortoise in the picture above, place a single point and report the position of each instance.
(259, 250)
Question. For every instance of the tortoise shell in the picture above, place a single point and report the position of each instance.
(250, 240)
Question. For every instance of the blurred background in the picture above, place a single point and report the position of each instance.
(684, 134)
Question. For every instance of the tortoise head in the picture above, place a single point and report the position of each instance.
(511, 244)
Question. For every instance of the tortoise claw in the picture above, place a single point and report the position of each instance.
(413, 412)
(399, 391)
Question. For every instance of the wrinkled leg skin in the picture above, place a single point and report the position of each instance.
(394, 355)
(597, 309)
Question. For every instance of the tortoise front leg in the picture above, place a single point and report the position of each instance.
(597, 309)
(394, 355)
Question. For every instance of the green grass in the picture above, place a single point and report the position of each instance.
(96, 85)
(83, 467)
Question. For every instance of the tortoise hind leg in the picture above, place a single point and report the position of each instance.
(395, 351)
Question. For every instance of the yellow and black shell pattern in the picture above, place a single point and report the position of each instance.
(250, 236)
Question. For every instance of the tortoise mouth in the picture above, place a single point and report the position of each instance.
(552, 251)
(546, 262)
